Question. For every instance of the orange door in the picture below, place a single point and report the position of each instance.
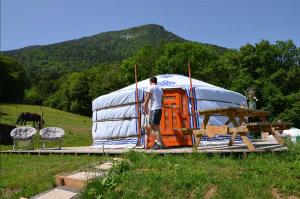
(174, 117)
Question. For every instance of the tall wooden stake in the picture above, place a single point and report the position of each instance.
(137, 104)
(192, 96)
(38, 127)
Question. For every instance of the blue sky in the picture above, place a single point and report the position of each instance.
(228, 23)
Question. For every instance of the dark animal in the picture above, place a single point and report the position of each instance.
(32, 117)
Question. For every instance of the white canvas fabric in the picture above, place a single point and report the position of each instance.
(171, 81)
(116, 129)
(120, 97)
(116, 112)
(219, 94)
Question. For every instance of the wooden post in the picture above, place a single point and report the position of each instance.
(264, 135)
(192, 96)
(137, 104)
(40, 124)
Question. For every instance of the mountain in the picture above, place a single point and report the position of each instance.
(79, 54)
(57, 59)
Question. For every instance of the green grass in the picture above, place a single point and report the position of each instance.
(28, 175)
(23, 175)
(77, 128)
(192, 175)
(148, 175)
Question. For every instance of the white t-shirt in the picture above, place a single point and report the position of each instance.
(156, 96)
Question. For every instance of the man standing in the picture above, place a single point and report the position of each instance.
(154, 93)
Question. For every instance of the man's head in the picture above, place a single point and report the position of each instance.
(153, 80)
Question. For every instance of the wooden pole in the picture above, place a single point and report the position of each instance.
(137, 104)
(39, 125)
(42, 124)
(192, 96)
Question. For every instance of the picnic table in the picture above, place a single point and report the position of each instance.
(238, 118)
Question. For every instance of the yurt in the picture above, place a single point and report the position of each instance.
(116, 116)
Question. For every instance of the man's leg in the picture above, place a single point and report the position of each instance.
(147, 135)
(157, 134)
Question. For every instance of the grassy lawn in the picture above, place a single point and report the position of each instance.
(199, 176)
(147, 175)
(27, 175)
(77, 128)
(23, 175)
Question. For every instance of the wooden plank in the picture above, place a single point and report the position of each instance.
(212, 130)
(233, 136)
(205, 120)
(246, 140)
(197, 142)
(266, 123)
(235, 124)
(238, 129)
(224, 111)
(267, 126)
(59, 180)
(277, 136)
(238, 148)
(188, 131)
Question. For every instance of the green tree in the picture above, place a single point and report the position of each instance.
(72, 95)
(175, 56)
(145, 60)
(12, 80)
(274, 69)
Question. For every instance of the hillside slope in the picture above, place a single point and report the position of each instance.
(79, 54)
(77, 128)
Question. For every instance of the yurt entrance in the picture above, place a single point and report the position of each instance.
(175, 116)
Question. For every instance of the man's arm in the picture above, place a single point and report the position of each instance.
(146, 102)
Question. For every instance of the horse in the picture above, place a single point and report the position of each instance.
(32, 117)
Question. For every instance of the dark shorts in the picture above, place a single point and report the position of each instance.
(155, 116)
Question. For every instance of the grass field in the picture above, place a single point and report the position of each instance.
(77, 128)
(23, 175)
(146, 175)
(200, 176)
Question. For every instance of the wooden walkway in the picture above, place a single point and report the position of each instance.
(236, 148)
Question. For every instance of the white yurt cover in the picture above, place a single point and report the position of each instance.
(115, 117)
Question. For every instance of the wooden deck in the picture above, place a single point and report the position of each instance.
(261, 146)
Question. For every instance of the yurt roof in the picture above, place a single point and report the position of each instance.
(171, 81)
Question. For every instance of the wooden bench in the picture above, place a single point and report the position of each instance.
(237, 117)
(269, 128)
(211, 131)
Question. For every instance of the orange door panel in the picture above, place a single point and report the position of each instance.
(174, 118)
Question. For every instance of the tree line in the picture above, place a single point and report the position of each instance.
(273, 69)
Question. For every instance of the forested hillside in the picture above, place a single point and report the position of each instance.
(69, 75)
(58, 59)
(12, 80)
